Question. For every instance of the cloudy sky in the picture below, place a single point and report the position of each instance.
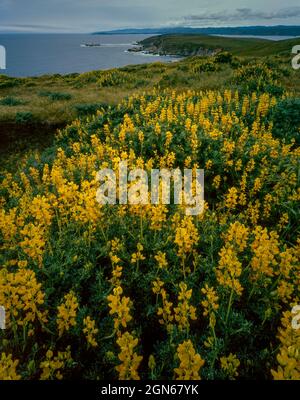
(95, 15)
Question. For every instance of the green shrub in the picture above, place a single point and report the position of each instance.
(10, 101)
(274, 90)
(55, 96)
(257, 76)
(286, 120)
(205, 66)
(223, 57)
(87, 78)
(114, 77)
(88, 108)
(140, 83)
(173, 79)
(8, 82)
(24, 117)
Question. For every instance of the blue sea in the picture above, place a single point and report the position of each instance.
(39, 54)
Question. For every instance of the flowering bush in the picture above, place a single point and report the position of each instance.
(258, 76)
(129, 292)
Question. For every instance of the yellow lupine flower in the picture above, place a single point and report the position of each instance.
(90, 331)
(130, 361)
(120, 307)
(288, 357)
(230, 365)
(184, 311)
(231, 198)
(265, 249)
(210, 304)
(190, 362)
(238, 234)
(53, 366)
(186, 236)
(67, 312)
(22, 297)
(8, 368)
(229, 270)
(138, 256)
(161, 259)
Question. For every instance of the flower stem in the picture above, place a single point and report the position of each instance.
(229, 306)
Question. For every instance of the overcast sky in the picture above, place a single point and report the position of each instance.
(95, 15)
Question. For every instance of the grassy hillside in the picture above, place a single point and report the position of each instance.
(189, 44)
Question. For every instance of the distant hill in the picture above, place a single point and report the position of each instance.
(190, 45)
(279, 30)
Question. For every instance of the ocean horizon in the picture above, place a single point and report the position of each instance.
(30, 54)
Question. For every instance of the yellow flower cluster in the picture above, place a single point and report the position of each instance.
(288, 271)
(184, 311)
(8, 368)
(115, 260)
(186, 236)
(130, 360)
(120, 307)
(190, 362)
(289, 355)
(21, 296)
(237, 235)
(90, 331)
(33, 242)
(116, 275)
(230, 365)
(138, 256)
(231, 198)
(166, 311)
(229, 270)
(52, 366)
(161, 259)
(210, 304)
(67, 312)
(265, 249)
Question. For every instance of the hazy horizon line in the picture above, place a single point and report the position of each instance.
(59, 31)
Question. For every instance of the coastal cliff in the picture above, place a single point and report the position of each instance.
(166, 45)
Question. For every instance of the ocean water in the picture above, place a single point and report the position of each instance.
(39, 54)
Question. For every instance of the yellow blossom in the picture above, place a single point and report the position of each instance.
(190, 362)
(230, 365)
(120, 307)
(90, 331)
(8, 368)
(67, 311)
(130, 360)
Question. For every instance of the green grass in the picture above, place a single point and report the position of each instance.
(245, 47)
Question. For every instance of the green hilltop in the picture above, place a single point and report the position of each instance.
(185, 45)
